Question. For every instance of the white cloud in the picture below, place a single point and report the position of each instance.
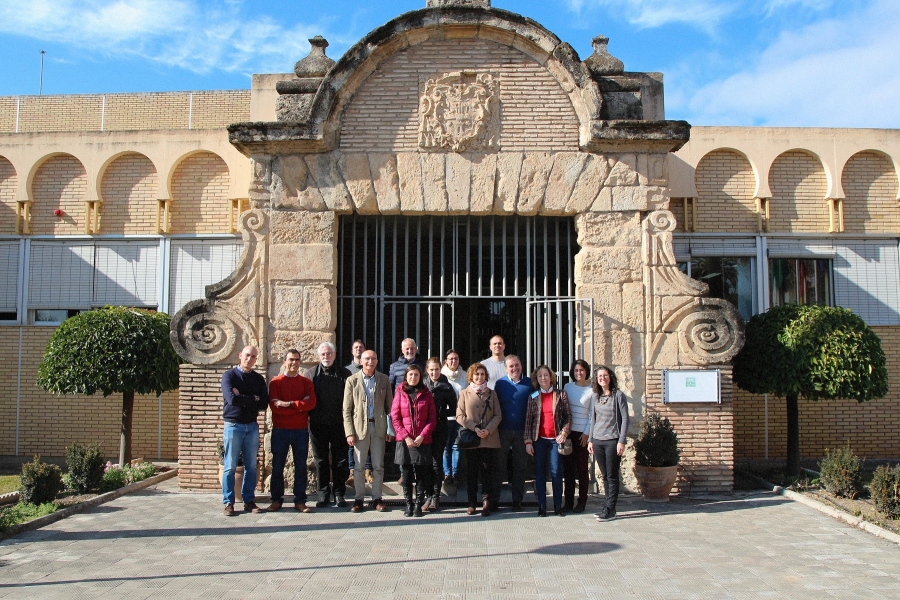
(703, 14)
(179, 33)
(830, 73)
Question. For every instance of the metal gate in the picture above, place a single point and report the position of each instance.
(559, 331)
(451, 281)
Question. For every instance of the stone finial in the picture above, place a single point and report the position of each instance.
(601, 62)
(316, 64)
(474, 3)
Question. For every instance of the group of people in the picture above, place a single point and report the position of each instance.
(353, 413)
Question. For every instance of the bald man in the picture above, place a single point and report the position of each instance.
(245, 394)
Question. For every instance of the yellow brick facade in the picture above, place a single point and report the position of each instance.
(536, 113)
(60, 183)
(798, 185)
(200, 195)
(870, 188)
(8, 183)
(725, 185)
(129, 194)
(48, 423)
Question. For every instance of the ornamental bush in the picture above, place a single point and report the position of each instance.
(657, 443)
(841, 472)
(885, 491)
(41, 482)
(86, 465)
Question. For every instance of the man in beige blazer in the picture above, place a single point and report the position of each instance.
(367, 423)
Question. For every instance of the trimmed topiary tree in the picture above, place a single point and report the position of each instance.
(111, 350)
(818, 352)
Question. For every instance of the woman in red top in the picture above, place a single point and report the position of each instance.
(547, 423)
(414, 417)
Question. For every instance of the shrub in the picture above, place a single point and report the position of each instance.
(86, 465)
(41, 482)
(841, 472)
(657, 443)
(115, 476)
(19, 513)
(885, 491)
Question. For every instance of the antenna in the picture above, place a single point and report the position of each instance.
(41, 88)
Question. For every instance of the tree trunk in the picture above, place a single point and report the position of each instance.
(125, 433)
(793, 435)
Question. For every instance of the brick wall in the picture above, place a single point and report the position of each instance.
(798, 185)
(200, 195)
(536, 113)
(705, 433)
(129, 191)
(872, 428)
(48, 423)
(200, 426)
(8, 183)
(61, 183)
(725, 184)
(870, 187)
(125, 112)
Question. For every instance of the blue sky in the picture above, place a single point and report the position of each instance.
(827, 63)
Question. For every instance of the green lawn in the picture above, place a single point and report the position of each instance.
(9, 483)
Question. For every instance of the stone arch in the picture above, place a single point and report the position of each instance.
(9, 181)
(870, 189)
(128, 186)
(200, 184)
(799, 184)
(725, 184)
(527, 37)
(59, 182)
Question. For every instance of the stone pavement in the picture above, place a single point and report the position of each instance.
(163, 543)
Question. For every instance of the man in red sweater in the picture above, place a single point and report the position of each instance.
(291, 397)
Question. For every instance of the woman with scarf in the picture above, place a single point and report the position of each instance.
(547, 424)
(445, 403)
(456, 375)
(478, 410)
(414, 416)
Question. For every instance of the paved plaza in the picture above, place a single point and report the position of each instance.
(164, 543)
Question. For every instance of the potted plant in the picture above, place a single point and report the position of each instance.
(238, 471)
(656, 459)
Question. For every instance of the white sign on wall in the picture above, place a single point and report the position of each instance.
(679, 387)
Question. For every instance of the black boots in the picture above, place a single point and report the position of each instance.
(420, 500)
(408, 495)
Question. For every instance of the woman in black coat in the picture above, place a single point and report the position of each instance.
(445, 402)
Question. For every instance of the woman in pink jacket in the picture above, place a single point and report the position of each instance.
(414, 417)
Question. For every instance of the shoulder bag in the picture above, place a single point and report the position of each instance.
(467, 439)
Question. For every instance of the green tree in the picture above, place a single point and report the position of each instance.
(818, 352)
(111, 350)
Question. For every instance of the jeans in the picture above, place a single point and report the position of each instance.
(451, 452)
(609, 460)
(298, 441)
(511, 442)
(577, 464)
(372, 445)
(240, 439)
(546, 451)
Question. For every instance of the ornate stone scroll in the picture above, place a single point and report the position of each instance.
(460, 111)
(233, 314)
(707, 330)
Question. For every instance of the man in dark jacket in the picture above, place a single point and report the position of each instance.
(245, 394)
(326, 427)
(408, 356)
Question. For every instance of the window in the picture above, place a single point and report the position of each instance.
(196, 264)
(800, 281)
(728, 278)
(9, 281)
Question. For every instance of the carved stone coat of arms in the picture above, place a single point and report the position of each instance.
(460, 111)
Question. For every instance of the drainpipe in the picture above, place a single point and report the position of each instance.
(18, 389)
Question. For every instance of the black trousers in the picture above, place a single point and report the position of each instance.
(329, 447)
(576, 464)
(438, 441)
(479, 466)
(605, 451)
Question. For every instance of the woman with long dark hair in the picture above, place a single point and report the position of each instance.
(413, 415)
(478, 410)
(578, 391)
(607, 429)
(547, 424)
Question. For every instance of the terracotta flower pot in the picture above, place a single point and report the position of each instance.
(656, 482)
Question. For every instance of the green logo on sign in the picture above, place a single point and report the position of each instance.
(690, 382)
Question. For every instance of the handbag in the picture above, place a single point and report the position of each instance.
(565, 448)
(467, 439)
